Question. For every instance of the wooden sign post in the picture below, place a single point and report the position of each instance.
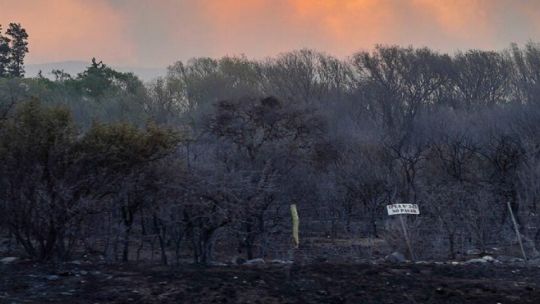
(295, 226)
(402, 210)
(295, 240)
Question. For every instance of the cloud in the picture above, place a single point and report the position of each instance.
(158, 32)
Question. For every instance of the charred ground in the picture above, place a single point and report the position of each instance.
(26, 282)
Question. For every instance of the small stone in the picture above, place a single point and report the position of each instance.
(475, 261)
(395, 257)
(483, 260)
(52, 277)
(280, 262)
(258, 261)
(238, 261)
(473, 252)
(509, 259)
(488, 258)
(8, 260)
(534, 262)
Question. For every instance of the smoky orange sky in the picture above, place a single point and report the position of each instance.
(159, 32)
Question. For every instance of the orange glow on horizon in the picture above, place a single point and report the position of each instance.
(67, 29)
(158, 32)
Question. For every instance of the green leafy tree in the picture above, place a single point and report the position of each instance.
(98, 80)
(19, 48)
(4, 54)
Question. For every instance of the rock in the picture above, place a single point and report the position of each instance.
(534, 262)
(52, 277)
(258, 261)
(395, 257)
(475, 261)
(509, 259)
(280, 262)
(473, 252)
(483, 260)
(238, 261)
(489, 258)
(8, 260)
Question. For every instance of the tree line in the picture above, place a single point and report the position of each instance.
(204, 162)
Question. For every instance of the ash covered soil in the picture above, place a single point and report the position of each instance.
(26, 282)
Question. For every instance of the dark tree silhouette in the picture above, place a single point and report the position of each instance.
(4, 54)
(18, 50)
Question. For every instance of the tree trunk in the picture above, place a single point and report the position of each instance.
(451, 245)
(125, 252)
(249, 242)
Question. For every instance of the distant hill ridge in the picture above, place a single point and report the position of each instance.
(74, 67)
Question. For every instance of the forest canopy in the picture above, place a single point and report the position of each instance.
(206, 160)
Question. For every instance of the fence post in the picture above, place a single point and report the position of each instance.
(406, 234)
(517, 230)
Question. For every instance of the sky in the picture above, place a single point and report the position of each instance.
(156, 33)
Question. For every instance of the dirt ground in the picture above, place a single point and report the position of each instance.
(26, 282)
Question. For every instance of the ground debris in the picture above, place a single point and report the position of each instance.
(312, 283)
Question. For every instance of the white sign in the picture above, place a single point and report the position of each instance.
(402, 209)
